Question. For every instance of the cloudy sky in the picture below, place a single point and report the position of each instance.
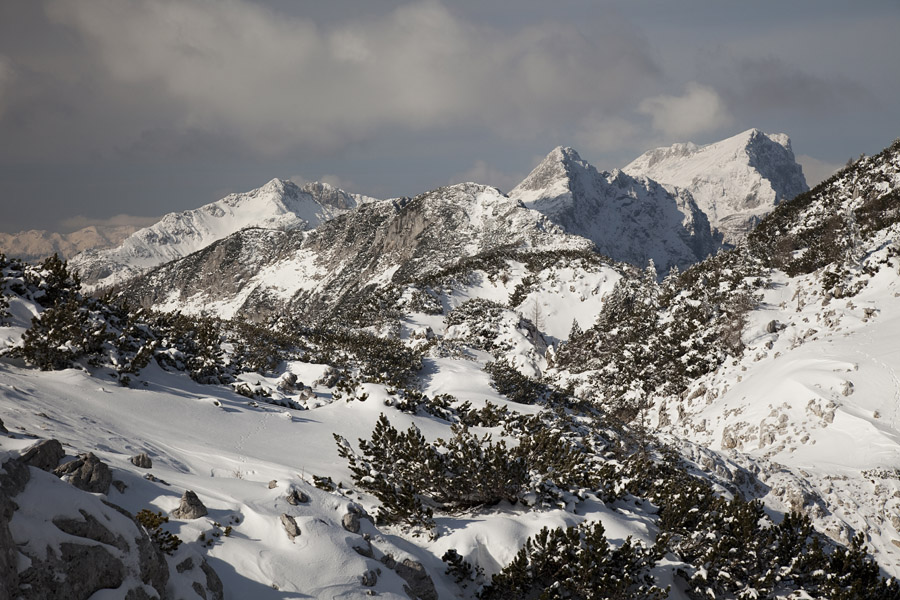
(128, 109)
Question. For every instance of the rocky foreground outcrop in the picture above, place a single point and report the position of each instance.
(59, 541)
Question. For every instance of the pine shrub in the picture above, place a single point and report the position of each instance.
(577, 563)
(153, 523)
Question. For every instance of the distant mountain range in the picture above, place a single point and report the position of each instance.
(673, 205)
(280, 205)
(37, 244)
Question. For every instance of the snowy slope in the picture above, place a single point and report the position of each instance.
(277, 205)
(814, 401)
(630, 219)
(815, 404)
(735, 182)
(228, 450)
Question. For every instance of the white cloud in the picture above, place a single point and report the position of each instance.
(332, 180)
(275, 82)
(80, 222)
(816, 171)
(699, 110)
(483, 173)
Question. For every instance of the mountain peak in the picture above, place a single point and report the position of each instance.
(554, 172)
(279, 204)
(564, 154)
(735, 181)
(630, 219)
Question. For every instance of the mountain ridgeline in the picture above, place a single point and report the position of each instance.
(280, 205)
(359, 248)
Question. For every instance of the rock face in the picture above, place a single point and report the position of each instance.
(13, 478)
(45, 455)
(207, 584)
(630, 219)
(190, 507)
(419, 585)
(87, 472)
(350, 522)
(735, 182)
(97, 547)
(279, 205)
(295, 497)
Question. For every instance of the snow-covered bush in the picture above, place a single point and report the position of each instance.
(507, 380)
(412, 477)
(62, 334)
(153, 523)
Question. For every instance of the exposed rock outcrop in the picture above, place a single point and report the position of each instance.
(419, 585)
(290, 525)
(98, 547)
(190, 507)
(45, 455)
(295, 497)
(142, 461)
(87, 472)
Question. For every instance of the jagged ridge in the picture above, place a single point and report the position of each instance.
(630, 219)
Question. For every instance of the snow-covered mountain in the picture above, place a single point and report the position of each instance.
(279, 204)
(338, 264)
(630, 219)
(35, 245)
(736, 181)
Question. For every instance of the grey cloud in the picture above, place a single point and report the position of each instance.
(275, 82)
(771, 84)
(483, 173)
(699, 110)
(815, 171)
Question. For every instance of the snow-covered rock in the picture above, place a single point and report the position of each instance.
(630, 219)
(736, 181)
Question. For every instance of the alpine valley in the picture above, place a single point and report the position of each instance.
(675, 380)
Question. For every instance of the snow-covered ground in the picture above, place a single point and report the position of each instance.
(228, 449)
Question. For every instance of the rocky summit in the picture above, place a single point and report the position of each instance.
(735, 182)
